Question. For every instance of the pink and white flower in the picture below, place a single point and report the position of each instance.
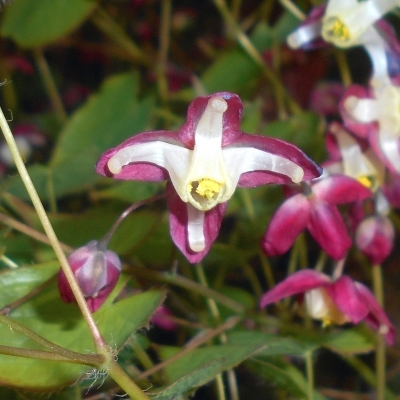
(333, 301)
(204, 161)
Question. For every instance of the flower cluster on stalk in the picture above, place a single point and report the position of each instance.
(362, 170)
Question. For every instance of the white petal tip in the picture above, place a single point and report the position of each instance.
(198, 246)
(219, 104)
(293, 41)
(383, 329)
(351, 103)
(297, 175)
(114, 165)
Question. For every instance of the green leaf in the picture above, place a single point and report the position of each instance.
(62, 324)
(356, 340)
(109, 117)
(36, 23)
(284, 376)
(201, 365)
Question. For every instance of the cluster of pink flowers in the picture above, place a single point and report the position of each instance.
(209, 156)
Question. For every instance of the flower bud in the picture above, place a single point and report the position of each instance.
(97, 272)
(374, 237)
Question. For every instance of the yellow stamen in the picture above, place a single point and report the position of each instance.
(207, 188)
(339, 30)
(367, 181)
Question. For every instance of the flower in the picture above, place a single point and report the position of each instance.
(97, 272)
(345, 22)
(204, 161)
(333, 301)
(374, 114)
(315, 209)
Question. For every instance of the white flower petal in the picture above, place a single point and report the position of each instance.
(195, 227)
(239, 160)
(175, 159)
(389, 145)
(362, 110)
(304, 34)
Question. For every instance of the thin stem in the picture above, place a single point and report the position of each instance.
(125, 382)
(165, 26)
(291, 7)
(229, 324)
(107, 237)
(88, 359)
(46, 355)
(12, 306)
(338, 271)
(343, 67)
(254, 54)
(212, 305)
(50, 85)
(310, 375)
(108, 26)
(189, 285)
(101, 345)
(27, 230)
(380, 357)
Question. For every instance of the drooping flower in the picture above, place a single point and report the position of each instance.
(346, 21)
(97, 272)
(204, 161)
(315, 209)
(374, 114)
(333, 301)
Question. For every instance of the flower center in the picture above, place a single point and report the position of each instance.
(368, 181)
(337, 29)
(206, 192)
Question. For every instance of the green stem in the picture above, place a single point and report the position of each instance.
(101, 345)
(189, 285)
(50, 85)
(245, 42)
(108, 26)
(212, 305)
(95, 360)
(380, 358)
(310, 375)
(125, 382)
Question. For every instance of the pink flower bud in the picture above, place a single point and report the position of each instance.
(97, 272)
(161, 318)
(374, 237)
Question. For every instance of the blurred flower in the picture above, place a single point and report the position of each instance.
(204, 161)
(352, 157)
(374, 114)
(315, 209)
(333, 301)
(325, 98)
(161, 318)
(97, 272)
(27, 136)
(374, 237)
(346, 22)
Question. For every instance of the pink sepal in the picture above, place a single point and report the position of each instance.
(340, 189)
(299, 282)
(344, 293)
(328, 229)
(287, 223)
(178, 221)
(376, 318)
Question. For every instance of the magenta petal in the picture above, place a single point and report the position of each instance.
(178, 220)
(340, 189)
(280, 148)
(346, 297)
(377, 317)
(231, 119)
(138, 171)
(328, 229)
(286, 224)
(299, 282)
